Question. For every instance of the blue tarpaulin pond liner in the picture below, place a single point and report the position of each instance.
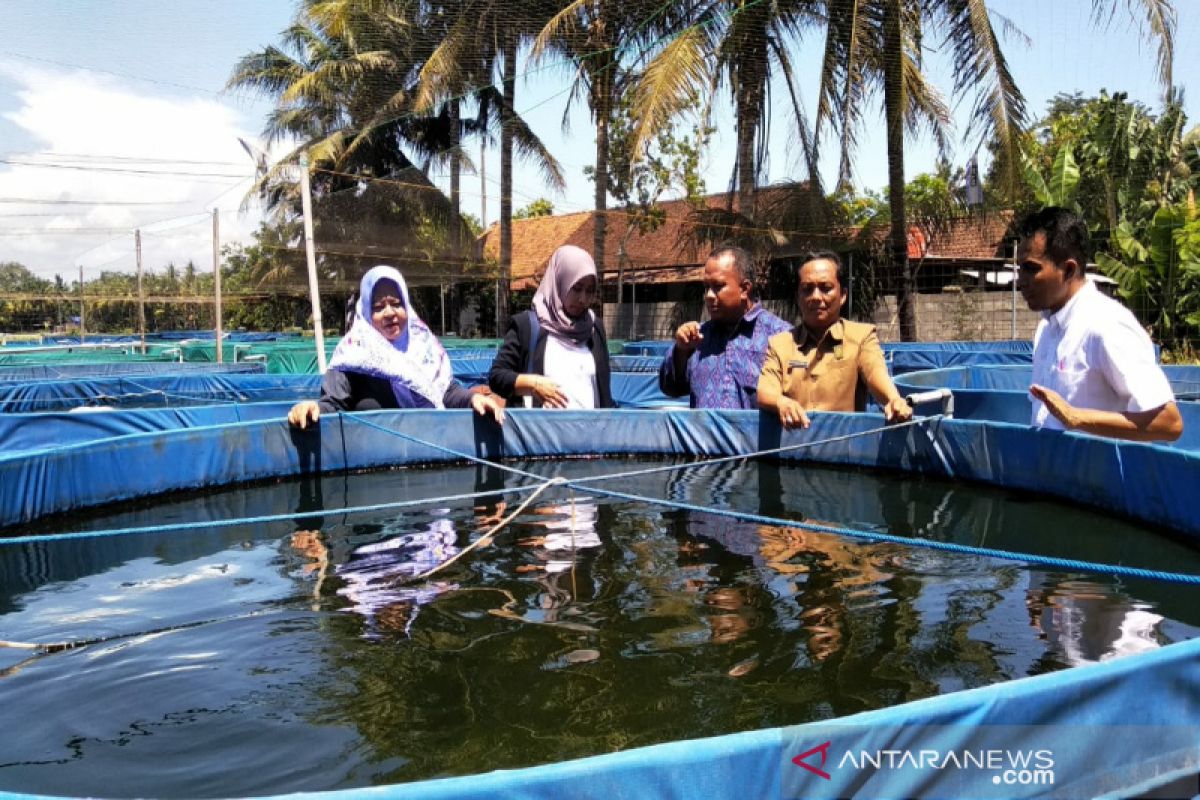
(205, 387)
(628, 363)
(42, 372)
(651, 349)
(155, 391)
(24, 432)
(228, 336)
(1115, 728)
(474, 365)
(907, 356)
(1001, 394)
(296, 355)
(40, 413)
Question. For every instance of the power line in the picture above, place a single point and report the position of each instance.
(37, 201)
(122, 170)
(61, 232)
(120, 159)
(219, 93)
(58, 215)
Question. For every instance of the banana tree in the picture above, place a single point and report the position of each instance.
(1160, 277)
(1061, 186)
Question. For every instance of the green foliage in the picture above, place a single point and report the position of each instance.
(1060, 187)
(638, 178)
(16, 278)
(1158, 274)
(264, 284)
(474, 225)
(927, 197)
(25, 313)
(1110, 159)
(852, 209)
(538, 208)
(935, 196)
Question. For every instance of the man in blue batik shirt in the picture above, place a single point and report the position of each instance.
(717, 364)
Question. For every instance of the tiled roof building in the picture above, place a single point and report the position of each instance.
(665, 255)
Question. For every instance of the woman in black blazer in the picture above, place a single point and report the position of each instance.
(556, 354)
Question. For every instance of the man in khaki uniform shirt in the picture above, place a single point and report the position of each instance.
(825, 363)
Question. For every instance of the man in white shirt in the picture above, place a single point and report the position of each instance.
(1093, 365)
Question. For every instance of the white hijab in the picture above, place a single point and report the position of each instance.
(416, 364)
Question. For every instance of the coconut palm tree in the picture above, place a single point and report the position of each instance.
(741, 44)
(878, 44)
(344, 80)
(483, 37)
(601, 38)
(334, 67)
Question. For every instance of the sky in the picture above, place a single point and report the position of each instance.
(113, 117)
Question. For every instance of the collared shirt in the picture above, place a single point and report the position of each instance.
(723, 370)
(1093, 352)
(831, 374)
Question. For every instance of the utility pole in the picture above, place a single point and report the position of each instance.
(483, 184)
(1012, 333)
(217, 279)
(310, 251)
(137, 240)
(81, 333)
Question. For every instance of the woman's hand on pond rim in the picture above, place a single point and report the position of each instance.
(304, 412)
(548, 393)
(488, 405)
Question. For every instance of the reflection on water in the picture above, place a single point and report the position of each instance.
(1084, 621)
(373, 576)
(588, 625)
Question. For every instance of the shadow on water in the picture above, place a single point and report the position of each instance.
(588, 625)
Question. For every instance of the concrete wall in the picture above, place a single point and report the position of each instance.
(960, 316)
(948, 316)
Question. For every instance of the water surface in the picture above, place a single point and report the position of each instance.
(300, 655)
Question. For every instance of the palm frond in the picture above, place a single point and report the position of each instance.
(926, 106)
(562, 25)
(979, 63)
(669, 84)
(852, 37)
(442, 73)
(527, 143)
(804, 134)
(270, 71)
(1161, 19)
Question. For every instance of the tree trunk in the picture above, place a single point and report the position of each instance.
(745, 159)
(506, 181)
(894, 104)
(601, 214)
(455, 174)
(750, 80)
(602, 102)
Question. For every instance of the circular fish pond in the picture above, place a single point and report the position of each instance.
(310, 648)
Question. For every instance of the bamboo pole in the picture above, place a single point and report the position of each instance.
(311, 254)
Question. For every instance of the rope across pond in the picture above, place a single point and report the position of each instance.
(586, 485)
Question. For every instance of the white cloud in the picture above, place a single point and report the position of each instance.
(118, 133)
